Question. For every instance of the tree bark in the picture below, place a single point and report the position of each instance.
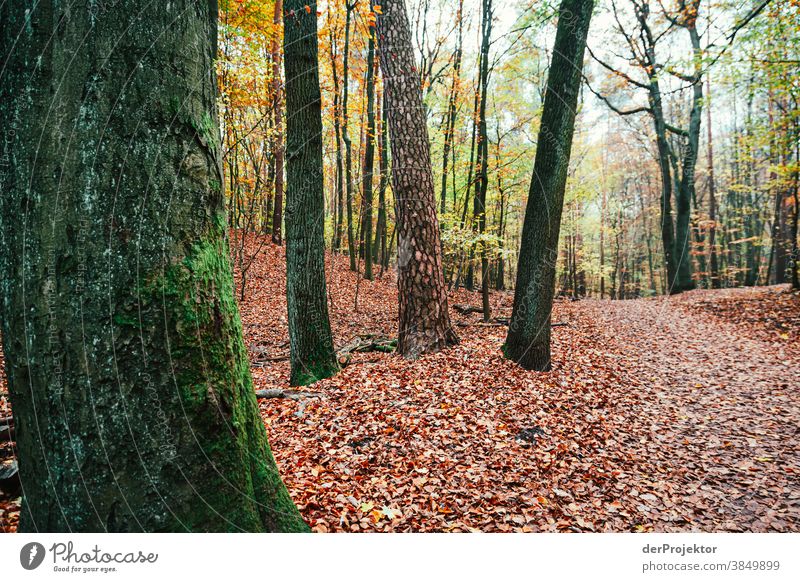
(348, 146)
(337, 131)
(369, 155)
(310, 338)
(528, 340)
(424, 316)
(133, 403)
(479, 207)
(712, 198)
(683, 248)
(379, 247)
(277, 94)
(452, 109)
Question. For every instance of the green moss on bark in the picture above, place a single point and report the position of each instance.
(213, 380)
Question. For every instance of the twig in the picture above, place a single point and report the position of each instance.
(290, 394)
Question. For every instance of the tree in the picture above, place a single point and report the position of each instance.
(277, 217)
(449, 122)
(424, 316)
(369, 155)
(528, 339)
(337, 132)
(133, 402)
(379, 248)
(479, 207)
(310, 338)
(348, 146)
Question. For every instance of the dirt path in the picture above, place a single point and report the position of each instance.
(720, 412)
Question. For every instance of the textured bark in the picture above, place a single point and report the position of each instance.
(528, 340)
(133, 403)
(310, 339)
(424, 317)
(277, 92)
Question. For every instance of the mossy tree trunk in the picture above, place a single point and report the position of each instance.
(528, 340)
(133, 403)
(424, 317)
(311, 342)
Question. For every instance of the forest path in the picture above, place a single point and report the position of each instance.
(719, 405)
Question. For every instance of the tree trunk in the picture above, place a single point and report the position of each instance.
(337, 131)
(452, 110)
(712, 197)
(369, 155)
(500, 277)
(603, 204)
(424, 317)
(795, 258)
(469, 279)
(379, 247)
(528, 340)
(685, 194)
(311, 342)
(479, 208)
(277, 92)
(133, 404)
(348, 146)
(667, 224)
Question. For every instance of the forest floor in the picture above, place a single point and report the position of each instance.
(663, 414)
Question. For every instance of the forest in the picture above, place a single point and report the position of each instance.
(400, 266)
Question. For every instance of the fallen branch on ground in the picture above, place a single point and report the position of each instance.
(502, 322)
(364, 344)
(467, 309)
(290, 394)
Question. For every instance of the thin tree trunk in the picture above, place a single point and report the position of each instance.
(452, 109)
(379, 248)
(479, 209)
(369, 156)
(277, 93)
(712, 196)
(796, 216)
(470, 277)
(337, 131)
(348, 147)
